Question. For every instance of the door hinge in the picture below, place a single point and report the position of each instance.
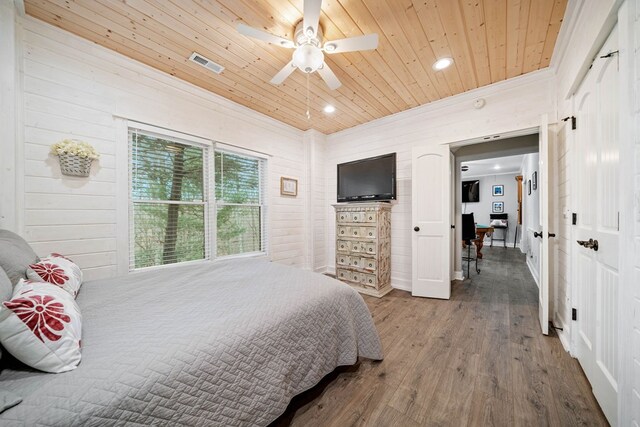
(574, 218)
(610, 54)
(574, 314)
(573, 121)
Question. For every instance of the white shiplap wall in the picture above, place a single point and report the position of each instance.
(73, 88)
(512, 105)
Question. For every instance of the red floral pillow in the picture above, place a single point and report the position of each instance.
(41, 327)
(57, 270)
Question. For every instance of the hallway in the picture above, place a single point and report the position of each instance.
(477, 359)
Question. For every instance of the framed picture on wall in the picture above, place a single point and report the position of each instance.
(288, 186)
(498, 190)
(529, 186)
(497, 207)
(535, 180)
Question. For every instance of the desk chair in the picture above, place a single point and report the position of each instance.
(468, 236)
(500, 222)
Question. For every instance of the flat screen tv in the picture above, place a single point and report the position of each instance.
(368, 179)
(470, 191)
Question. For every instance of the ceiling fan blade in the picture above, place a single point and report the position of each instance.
(352, 44)
(311, 16)
(284, 73)
(264, 36)
(329, 77)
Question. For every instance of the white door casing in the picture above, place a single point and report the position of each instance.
(596, 271)
(430, 212)
(543, 229)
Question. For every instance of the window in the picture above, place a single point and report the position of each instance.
(240, 208)
(168, 200)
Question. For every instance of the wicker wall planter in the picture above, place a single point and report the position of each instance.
(73, 165)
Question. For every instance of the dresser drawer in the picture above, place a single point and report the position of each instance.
(369, 280)
(368, 232)
(357, 247)
(344, 231)
(356, 261)
(343, 259)
(357, 217)
(370, 216)
(356, 231)
(356, 276)
(370, 248)
(344, 245)
(369, 264)
(343, 274)
(343, 216)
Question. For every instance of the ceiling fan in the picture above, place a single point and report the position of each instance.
(310, 46)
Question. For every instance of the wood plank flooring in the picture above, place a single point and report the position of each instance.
(478, 359)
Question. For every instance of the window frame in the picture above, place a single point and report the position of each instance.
(263, 205)
(209, 146)
(208, 191)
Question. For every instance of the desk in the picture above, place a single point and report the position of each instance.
(481, 231)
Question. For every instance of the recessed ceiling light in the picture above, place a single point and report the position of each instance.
(442, 63)
(497, 167)
(329, 109)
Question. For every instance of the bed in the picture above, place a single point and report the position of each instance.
(225, 343)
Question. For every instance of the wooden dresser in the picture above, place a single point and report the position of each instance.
(363, 246)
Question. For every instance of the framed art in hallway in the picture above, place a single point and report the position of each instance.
(498, 190)
(497, 207)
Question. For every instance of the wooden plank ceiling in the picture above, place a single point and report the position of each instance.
(489, 40)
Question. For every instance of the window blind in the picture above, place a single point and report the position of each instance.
(169, 190)
(240, 204)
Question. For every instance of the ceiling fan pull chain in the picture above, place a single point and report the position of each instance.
(308, 112)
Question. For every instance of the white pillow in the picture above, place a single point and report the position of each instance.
(42, 327)
(499, 223)
(57, 270)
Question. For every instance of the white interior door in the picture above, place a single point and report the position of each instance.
(543, 188)
(597, 208)
(430, 211)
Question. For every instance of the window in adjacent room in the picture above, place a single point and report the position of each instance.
(240, 207)
(168, 200)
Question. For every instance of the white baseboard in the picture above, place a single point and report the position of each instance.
(458, 275)
(322, 269)
(533, 271)
(403, 285)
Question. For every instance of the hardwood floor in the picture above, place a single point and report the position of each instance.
(477, 359)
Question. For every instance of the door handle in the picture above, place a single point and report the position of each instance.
(536, 234)
(589, 244)
(552, 234)
(416, 228)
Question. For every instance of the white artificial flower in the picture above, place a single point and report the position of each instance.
(76, 148)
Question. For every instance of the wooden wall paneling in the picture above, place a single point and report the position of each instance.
(495, 13)
(367, 105)
(456, 34)
(155, 56)
(432, 27)
(539, 16)
(474, 22)
(397, 36)
(557, 16)
(236, 54)
(394, 71)
(517, 21)
(490, 40)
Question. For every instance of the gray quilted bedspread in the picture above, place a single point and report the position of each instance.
(226, 343)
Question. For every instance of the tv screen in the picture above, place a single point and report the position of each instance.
(470, 191)
(368, 179)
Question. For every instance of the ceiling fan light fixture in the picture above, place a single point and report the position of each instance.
(442, 63)
(308, 58)
(329, 109)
